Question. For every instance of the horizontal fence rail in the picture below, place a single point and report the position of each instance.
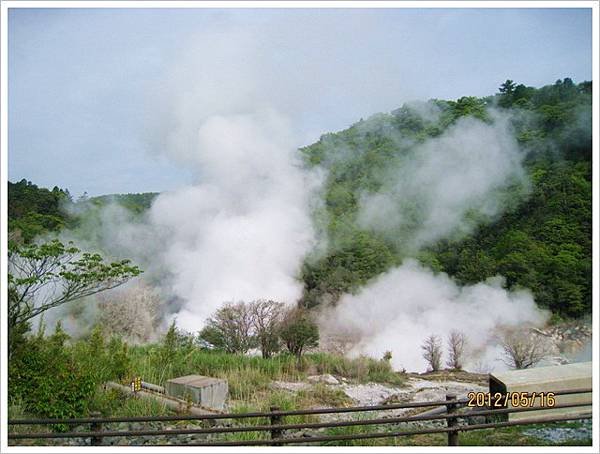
(389, 434)
(319, 425)
(317, 411)
(454, 412)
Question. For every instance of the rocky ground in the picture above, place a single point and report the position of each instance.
(568, 342)
(583, 431)
(419, 387)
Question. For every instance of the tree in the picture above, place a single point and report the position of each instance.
(299, 332)
(508, 87)
(266, 318)
(43, 276)
(456, 349)
(522, 351)
(508, 90)
(231, 328)
(432, 352)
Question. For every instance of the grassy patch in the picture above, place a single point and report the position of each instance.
(111, 402)
(321, 395)
(248, 376)
(362, 369)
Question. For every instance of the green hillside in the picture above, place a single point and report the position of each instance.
(542, 241)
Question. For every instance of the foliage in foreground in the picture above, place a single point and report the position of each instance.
(249, 375)
(56, 376)
(47, 275)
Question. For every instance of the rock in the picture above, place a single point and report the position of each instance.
(370, 393)
(290, 386)
(325, 378)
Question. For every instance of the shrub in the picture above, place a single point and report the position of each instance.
(521, 351)
(119, 359)
(48, 380)
(266, 319)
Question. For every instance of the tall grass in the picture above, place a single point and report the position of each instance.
(362, 369)
(110, 402)
(247, 375)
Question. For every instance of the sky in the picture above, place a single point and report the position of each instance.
(111, 100)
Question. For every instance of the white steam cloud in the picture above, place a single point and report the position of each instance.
(405, 305)
(241, 230)
(447, 185)
(240, 234)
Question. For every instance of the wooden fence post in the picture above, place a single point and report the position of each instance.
(96, 426)
(451, 408)
(275, 421)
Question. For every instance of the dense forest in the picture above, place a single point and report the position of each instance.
(542, 241)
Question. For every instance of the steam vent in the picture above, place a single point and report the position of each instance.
(206, 392)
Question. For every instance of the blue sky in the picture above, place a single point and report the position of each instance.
(101, 99)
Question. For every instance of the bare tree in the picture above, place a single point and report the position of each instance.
(266, 317)
(131, 312)
(522, 351)
(456, 349)
(231, 328)
(432, 352)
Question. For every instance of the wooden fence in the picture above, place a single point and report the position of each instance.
(457, 416)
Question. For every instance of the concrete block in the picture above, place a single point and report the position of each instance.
(207, 392)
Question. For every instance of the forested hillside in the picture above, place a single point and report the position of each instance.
(541, 241)
(34, 211)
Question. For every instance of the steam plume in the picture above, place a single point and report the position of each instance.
(447, 185)
(241, 233)
(401, 307)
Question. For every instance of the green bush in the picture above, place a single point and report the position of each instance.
(48, 380)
